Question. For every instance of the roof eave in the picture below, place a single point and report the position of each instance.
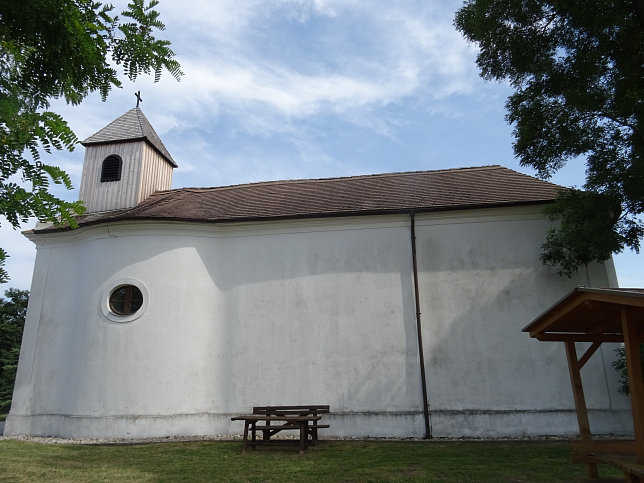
(250, 219)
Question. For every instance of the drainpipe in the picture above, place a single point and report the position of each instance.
(423, 379)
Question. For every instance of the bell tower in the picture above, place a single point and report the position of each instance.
(125, 162)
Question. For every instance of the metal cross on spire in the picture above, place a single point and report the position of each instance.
(138, 98)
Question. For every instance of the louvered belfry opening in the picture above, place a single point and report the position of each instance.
(111, 170)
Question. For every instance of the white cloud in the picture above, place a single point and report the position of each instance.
(276, 69)
(271, 68)
(21, 252)
(303, 10)
(401, 49)
(307, 88)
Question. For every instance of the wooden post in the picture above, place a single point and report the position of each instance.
(580, 401)
(245, 440)
(632, 341)
(303, 435)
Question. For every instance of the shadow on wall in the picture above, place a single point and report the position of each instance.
(481, 285)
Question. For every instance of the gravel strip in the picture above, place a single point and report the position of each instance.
(238, 437)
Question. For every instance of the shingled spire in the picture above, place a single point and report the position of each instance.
(131, 126)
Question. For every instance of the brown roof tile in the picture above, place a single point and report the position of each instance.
(357, 195)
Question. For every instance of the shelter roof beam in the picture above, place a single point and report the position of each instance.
(588, 354)
(579, 337)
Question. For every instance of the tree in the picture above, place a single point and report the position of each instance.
(12, 321)
(577, 70)
(619, 364)
(65, 49)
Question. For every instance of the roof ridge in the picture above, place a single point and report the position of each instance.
(138, 112)
(150, 134)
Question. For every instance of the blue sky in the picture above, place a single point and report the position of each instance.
(289, 89)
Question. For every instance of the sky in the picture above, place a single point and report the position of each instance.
(294, 89)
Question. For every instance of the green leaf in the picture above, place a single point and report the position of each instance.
(577, 70)
(62, 49)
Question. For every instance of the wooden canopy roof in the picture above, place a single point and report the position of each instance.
(589, 315)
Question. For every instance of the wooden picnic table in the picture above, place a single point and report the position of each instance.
(288, 422)
(311, 410)
(270, 420)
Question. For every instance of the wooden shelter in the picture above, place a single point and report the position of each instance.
(597, 315)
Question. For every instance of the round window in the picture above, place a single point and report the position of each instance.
(126, 300)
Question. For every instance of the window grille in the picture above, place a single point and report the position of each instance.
(126, 300)
(111, 170)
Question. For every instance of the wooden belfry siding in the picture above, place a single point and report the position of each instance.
(144, 171)
(156, 173)
(118, 194)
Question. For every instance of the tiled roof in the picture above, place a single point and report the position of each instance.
(131, 126)
(451, 189)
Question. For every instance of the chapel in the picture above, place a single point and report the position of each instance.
(398, 299)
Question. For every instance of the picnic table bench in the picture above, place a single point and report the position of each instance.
(271, 420)
(619, 453)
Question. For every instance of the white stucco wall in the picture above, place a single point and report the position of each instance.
(303, 312)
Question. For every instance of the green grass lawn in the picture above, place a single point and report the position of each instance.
(329, 461)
